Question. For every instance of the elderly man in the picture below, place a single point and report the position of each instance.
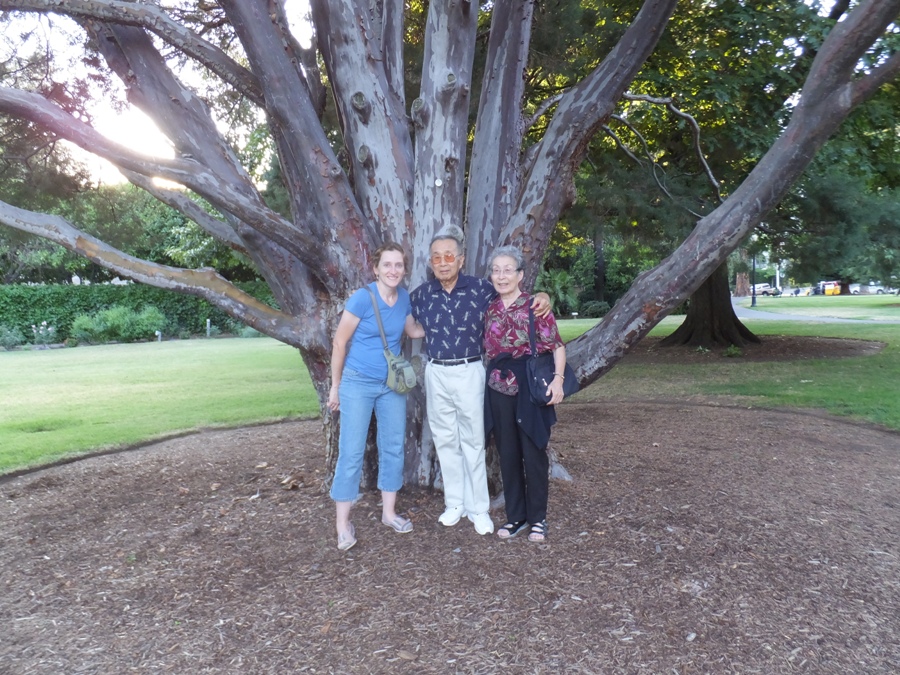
(451, 309)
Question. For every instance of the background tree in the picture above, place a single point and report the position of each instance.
(734, 66)
(36, 171)
(840, 222)
(398, 176)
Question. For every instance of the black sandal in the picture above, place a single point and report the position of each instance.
(538, 531)
(510, 530)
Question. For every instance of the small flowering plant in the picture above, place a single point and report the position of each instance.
(43, 334)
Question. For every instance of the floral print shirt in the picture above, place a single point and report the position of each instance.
(506, 332)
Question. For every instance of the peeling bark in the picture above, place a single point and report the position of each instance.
(407, 181)
(495, 169)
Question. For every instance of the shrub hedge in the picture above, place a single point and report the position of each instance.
(23, 306)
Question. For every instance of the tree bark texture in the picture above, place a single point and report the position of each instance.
(401, 171)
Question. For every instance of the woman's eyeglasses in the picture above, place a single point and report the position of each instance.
(436, 258)
(506, 271)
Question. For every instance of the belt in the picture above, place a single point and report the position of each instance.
(455, 362)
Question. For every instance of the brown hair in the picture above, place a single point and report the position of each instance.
(384, 248)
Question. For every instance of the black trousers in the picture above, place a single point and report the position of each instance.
(525, 468)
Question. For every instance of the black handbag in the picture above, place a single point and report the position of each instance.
(541, 370)
(401, 376)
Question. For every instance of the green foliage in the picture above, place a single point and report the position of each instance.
(593, 309)
(43, 334)
(24, 306)
(732, 351)
(848, 232)
(10, 338)
(735, 67)
(560, 286)
(125, 217)
(118, 324)
(248, 332)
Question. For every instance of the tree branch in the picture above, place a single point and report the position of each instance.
(654, 165)
(543, 108)
(373, 121)
(187, 172)
(881, 75)
(203, 283)
(154, 19)
(582, 110)
(824, 105)
(191, 209)
(695, 132)
(495, 172)
(305, 58)
(849, 40)
(621, 145)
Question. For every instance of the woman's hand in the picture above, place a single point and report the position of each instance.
(334, 403)
(555, 391)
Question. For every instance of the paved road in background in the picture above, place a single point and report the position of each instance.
(746, 313)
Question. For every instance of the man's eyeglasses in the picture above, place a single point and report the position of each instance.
(436, 258)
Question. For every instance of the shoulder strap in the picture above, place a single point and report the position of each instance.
(378, 317)
(531, 339)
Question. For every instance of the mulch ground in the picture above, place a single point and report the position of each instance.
(695, 538)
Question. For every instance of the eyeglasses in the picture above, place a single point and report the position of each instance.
(436, 258)
(506, 271)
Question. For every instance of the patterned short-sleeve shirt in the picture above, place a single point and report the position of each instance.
(454, 321)
(506, 332)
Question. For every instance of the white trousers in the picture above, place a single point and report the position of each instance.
(455, 402)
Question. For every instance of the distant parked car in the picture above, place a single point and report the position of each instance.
(766, 289)
(871, 288)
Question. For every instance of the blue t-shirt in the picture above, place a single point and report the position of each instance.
(366, 351)
(454, 321)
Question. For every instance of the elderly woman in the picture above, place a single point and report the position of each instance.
(359, 387)
(521, 428)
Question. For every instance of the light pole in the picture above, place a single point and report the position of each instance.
(753, 284)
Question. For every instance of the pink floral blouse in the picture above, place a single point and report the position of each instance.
(506, 331)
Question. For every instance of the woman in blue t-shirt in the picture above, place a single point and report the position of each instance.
(359, 386)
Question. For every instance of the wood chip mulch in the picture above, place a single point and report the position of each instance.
(694, 538)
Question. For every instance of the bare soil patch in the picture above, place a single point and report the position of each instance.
(694, 538)
(772, 348)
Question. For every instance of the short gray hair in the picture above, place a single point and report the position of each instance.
(454, 233)
(509, 252)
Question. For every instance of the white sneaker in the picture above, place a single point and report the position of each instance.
(483, 523)
(451, 515)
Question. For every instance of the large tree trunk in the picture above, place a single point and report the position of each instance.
(711, 321)
(742, 280)
(389, 187)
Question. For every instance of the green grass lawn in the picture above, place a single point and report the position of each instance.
(868, 307)
(55, 403)
(63, 401)
(866, 388)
